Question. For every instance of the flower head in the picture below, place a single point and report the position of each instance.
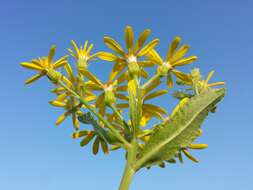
(173, 59)
(129, 58)
(45, 66)
(82, 54)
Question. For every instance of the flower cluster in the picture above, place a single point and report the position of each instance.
(101, 106)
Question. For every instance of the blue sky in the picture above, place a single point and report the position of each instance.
(36, 155)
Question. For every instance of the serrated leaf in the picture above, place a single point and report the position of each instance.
(181, 130)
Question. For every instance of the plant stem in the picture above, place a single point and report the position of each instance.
(150, 81)
(127, 177)
(99, 116)
(129, 170)
(120, 116)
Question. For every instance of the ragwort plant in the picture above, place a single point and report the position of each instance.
(119, 112)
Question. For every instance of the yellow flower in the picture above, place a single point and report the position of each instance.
(174, 58)
(110, 91)
(128, 58)
(82, 54)
(45, 66)
(204, 85)
(64, 99)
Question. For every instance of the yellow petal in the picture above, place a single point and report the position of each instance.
(169, 81)
(121, 96)
(185, 61)
(90, 98)
(70, 73)
(198, 146)
(155, 94)
(89, 49)
(129, 37)
(62, 97)
(31, 66)
(148, 47)
(112, 44)
(58, 90)
(80, 134)
(121, 88)
(123, 77)
(60, 62)
(186, 78)
(144, 74)
(75, 121)
(122, 106)
(116, 70)
(32, 79)
(216, 84)
(209, 76)
(51, 53)
(180, 53)
(73, 43)
(100, 104)
(95, 146)
(172, 48)
(85, 45)
(141, 40)
(91, 77)
(152, 86)
(61, 118)
(57, 103)
(145, 63)
(93, 86)
(146, 116)
(106, 56)
(154, 57)
(188, 155)
(153, 108)
(104, 146)
(87, 139)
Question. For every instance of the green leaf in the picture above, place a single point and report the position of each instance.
(180, 131)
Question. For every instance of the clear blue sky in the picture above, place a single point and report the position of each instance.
(36, 155)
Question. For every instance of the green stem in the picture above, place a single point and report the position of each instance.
(129, 170)
(99, 116)
(120, 116)
(152, 79)
(127, 177)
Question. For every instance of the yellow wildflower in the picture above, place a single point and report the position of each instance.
(45, 66)
(174, 58)
(130, 57)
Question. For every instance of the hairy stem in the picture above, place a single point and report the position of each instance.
(99, 116)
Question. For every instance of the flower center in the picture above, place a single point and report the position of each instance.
(131, 59)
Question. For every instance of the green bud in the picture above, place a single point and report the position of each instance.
(54, 75)
(162, 70)
(81, 64)
(134, 69)
(109, 97)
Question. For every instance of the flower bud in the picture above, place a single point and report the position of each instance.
(109, 97)
(134, 69)
(162, 70)
(81, 64)
(54, 75)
